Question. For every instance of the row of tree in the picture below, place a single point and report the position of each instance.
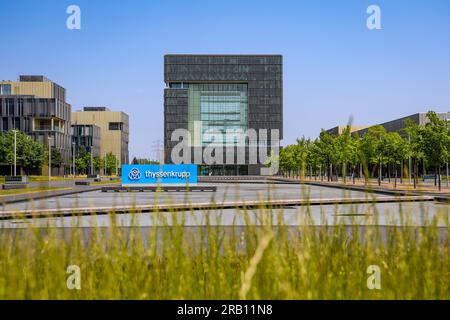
(143, 161)
(86, 163)
(31, 155)
(377, 153)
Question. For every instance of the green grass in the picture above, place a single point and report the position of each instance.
(272, 261)
(28, 190)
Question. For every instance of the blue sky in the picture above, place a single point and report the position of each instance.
(334, 67)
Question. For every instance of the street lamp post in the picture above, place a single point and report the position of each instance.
(409, 159)
(49, 159)
(92, 163)
(15, 152)
(73, 159)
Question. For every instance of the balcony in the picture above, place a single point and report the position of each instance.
(48, 124)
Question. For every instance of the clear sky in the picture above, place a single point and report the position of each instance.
(334, 66)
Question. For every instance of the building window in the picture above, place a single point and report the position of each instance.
(42, 124)
(115, 126)
(5, 124)
(178, 85)
(5, 89)
(221, 108)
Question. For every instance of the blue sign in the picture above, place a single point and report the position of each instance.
(150, 174)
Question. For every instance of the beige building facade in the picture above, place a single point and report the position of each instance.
(114, 130)
(37, 106)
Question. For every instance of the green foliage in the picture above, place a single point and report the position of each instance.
(98, 164)
(143, 161)
(82, 161)
(436, 139)
(111, 164)
(269, 261)
(377, 148)
(56, 158)
(29, 153)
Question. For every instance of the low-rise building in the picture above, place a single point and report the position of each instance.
(113, 130)
(397, 125)
(37, 106)
(340, 129)
(88, 137)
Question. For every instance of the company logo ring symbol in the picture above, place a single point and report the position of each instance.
(134, 174)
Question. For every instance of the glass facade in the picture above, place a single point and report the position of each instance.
(219, 107)
(86, 137)
(5, 89)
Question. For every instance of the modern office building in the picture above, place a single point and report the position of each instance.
(113, 127)
(340, 129)
(87, 137)
(206, 94)
(398, 125)
(38, 107)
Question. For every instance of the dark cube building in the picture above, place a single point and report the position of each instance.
(223, 92)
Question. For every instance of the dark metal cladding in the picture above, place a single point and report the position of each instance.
(263, 75)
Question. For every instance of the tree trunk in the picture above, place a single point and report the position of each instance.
(389, 172)
(395, 183)
(401, 173)
(439, 176)
(446, 173)
(436, 175)
(354, 174)
(379, 172)
(415, 173)
(344, 173)
(423, 169)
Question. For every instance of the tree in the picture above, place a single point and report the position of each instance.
(373, 145)
(415, 138)
(98, 163)
(345, 151)
(272, 162)
(301, 153)
(83, 160)
(436, 143)
(315, 158)
(143, 161)
(111, 163)
(396, 150)
(56, 158)
(29, 153)
(287, 159)
(327, 153)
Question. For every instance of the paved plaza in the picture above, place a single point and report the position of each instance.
(226, 192)
(362, 214)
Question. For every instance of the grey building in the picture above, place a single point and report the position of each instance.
(220, 93)
(38, 107)
(86, 136)
(114, 130)
(398, 125)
